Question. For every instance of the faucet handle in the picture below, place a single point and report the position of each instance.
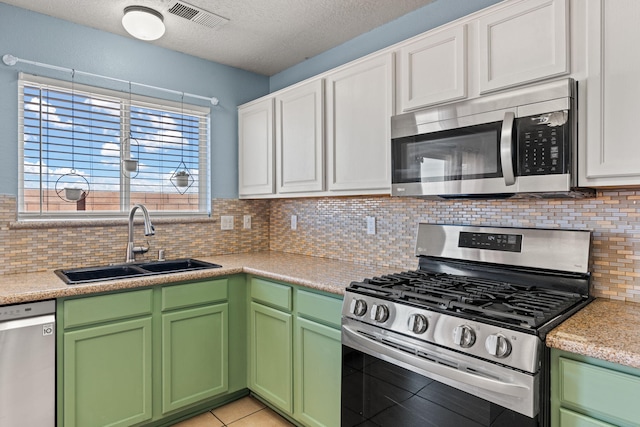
(140, 249)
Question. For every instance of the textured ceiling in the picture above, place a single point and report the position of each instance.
(263, 36)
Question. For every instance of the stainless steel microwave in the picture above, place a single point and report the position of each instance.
(520, 143)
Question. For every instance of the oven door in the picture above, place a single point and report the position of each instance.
(392, 380)
(462, 156)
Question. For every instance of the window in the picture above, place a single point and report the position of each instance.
(78, 138)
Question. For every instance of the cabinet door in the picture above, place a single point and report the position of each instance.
(107, 374)
(612, 148)
(255, 148)
(522, 43)
(300, 139)
(317, 374)
(194, 355)
(271, 355)
(434, 69)
(359, 109)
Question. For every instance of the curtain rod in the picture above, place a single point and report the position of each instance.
(11, 60)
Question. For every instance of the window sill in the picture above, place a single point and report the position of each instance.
(31, 224)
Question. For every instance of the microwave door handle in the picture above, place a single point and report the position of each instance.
(506, 148)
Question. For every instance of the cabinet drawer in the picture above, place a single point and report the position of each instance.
(319, 307)
(86, 311)
(271, 293)
(573, 419)
(189, 294)
(596, 390)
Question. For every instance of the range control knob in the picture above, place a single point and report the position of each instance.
(358, 307)
(497, 345)
(418, 323)
(464, 336)
(379, 313)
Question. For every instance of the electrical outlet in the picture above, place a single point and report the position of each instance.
(246, 222)
(294, 222)
(226, 222)
(371, 225)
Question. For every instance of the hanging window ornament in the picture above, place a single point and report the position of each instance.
(72, 187)
(130, 164)
(182, 179)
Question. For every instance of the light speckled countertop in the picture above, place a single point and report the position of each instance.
(605, 329)
(318, 273)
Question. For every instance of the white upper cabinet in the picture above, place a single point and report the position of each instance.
(330, 135)
(359, 108)
(255, 148)
(300, 139)
(524, 42)
(610, 105)
(433, 69)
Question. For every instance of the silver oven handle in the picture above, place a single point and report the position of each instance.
(506, 148)
(426, 366)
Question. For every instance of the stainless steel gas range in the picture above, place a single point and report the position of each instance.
(460, 341)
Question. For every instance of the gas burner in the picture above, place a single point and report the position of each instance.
(515, 304)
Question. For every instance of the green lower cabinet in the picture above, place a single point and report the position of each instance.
(152, 356)
(270, 355)
(587, 392)
(194, 355)
(107, 374)
(317, 374)
(295, 351)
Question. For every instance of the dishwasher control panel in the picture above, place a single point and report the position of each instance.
(29, 309)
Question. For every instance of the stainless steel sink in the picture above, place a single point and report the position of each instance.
(121, 271)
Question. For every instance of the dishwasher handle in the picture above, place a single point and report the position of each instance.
(30, 321)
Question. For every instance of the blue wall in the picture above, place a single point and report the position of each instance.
(36, 37)
(426, 18)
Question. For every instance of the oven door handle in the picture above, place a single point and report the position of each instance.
(428, 367)
(506, 148)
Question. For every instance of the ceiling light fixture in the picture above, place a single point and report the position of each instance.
(143, 23)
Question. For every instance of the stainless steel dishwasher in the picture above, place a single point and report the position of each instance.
(27, 364)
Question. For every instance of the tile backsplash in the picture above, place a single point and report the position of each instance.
(335, 227)
(29, 246)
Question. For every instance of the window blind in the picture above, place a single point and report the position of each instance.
(77, 136)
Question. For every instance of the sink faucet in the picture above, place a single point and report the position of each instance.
(149, 230)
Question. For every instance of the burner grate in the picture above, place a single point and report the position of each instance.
(521, 305)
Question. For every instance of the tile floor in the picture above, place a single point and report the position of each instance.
(245, 412)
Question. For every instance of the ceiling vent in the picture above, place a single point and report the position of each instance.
(197, 15)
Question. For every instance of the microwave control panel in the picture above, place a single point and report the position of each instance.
(543, 144)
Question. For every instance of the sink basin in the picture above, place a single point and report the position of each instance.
(92, 274)
(121, 271)
(177, 265)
